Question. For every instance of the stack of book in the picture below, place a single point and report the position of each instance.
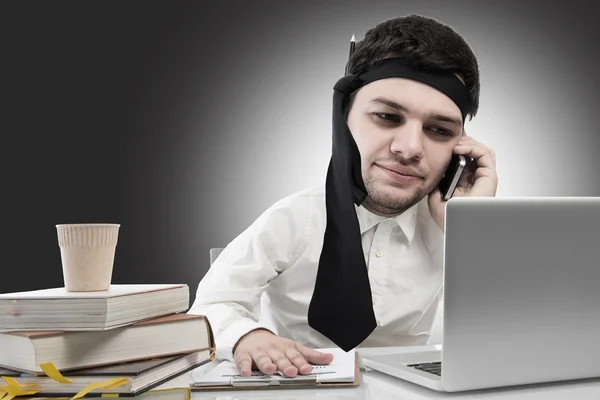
(118, 343)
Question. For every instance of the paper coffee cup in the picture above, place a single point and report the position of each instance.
(87, 253)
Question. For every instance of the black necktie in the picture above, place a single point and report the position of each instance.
(341, 307)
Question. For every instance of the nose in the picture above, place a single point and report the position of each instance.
(408, 140)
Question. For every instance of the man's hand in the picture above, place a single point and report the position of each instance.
(478, 180)
(269, 353)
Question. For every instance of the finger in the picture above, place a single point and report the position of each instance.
(469, 140)
(298, 361)
(482, 155)
(484, 148)
(313, 356)
(244, 363)
(283, 363)
(263, 362)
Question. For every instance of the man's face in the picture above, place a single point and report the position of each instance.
(405, 140)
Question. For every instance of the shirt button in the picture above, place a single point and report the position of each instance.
(388, 222)
(374, 300)
(379, 253)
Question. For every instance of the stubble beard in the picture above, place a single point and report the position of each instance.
(384, 199)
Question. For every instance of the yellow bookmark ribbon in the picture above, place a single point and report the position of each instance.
(50, 370)
(13, 389)
(109, 384)
(13, 382)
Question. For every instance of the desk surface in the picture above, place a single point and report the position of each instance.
(378, 386)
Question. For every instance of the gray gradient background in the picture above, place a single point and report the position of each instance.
(183, 121)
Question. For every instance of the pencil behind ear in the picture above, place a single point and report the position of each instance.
(352, 47)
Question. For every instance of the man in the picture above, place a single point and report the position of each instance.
(359, 261)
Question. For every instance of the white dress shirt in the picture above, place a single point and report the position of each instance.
(265, 277)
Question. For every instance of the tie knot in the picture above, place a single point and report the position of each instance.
(348, 84)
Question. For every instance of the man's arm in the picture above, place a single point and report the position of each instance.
(231, 290)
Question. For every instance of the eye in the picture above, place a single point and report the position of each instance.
(441, 131)
(388, 118)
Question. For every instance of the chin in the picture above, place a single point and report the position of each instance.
(394, 196)
(395, 190)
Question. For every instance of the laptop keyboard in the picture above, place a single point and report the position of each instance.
(434, 367)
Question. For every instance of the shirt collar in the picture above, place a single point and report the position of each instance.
(407, 221)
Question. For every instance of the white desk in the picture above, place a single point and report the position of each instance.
(377, 386)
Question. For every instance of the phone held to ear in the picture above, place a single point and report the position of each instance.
(452, 175)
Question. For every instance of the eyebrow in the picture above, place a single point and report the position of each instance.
(399, 107)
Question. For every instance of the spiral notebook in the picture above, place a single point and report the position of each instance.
(343, 371)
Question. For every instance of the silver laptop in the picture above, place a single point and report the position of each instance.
(521, 296)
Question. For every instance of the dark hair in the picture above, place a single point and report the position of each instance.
(425, 43)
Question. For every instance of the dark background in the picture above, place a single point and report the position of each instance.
(183, 121)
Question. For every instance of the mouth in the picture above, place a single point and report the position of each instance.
(399, 175)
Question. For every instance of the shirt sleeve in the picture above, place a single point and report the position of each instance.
(229, 294)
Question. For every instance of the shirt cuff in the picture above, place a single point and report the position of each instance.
(229, 337)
